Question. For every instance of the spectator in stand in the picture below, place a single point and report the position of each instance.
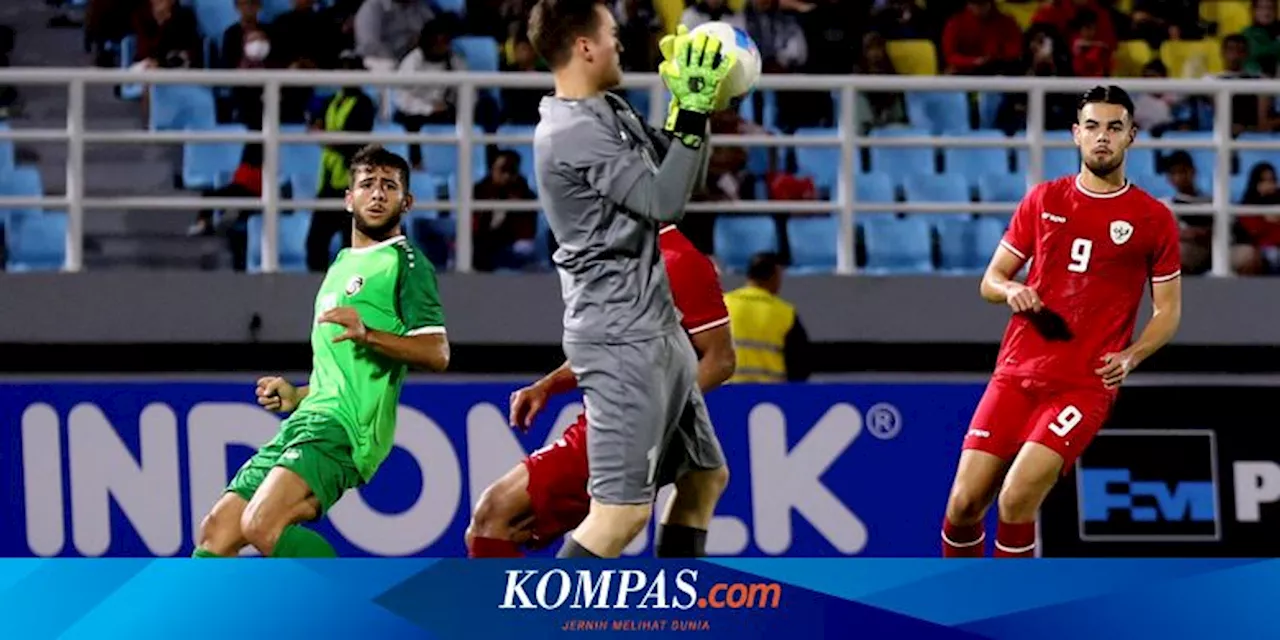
(1248, 112)
(783, 49)
(387, 30)
(245, 45)
(703, 11)
(981, 41)
(1158, 112)
(343, 14)
(520, 106)
(1261, 254)
(1264, 48)
(639, 28)
(305, 38)
(1046, 56)
(246, 183)
(167, 37)
(1196, 231)
(1062, 15)
(879, 108)
(1159, 20)
(832, 31)
(1090, 55)
(504, 239)
(351, 109)
(904, 20)
(424, 103)
(108, 22)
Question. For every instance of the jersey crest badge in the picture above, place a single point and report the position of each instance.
(1121, 231)
(357, 281)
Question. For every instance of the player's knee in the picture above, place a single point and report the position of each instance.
(492, 513)
(1019, 502)
(219, 531)
(965, 506)
(706, 485)
(632, 519)
(260, 529)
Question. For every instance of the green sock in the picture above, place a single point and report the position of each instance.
(201, 552)
(299, 542)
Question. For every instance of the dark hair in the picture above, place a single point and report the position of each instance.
(1178, 158)
(1110, 94)
(763, 266)
(1235, 38)
(554, 25)
(375, 156)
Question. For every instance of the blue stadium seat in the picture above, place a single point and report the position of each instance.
(214, 16)
(128, 49)
(542, 238)
(1238, 185)
(1140, 161)
(990, 231)
(945, 187)
(1008, 187)
(1204, 159)
(442, 159)
(1058, 161)
(436, 237)
(399, 148)
(988, 109)
(8, 153)
(305, 185)
(271, 9)
(823, 163)
(966, 243)
(178, 107)
(975, 162)
(425, 188)
(1155, 184)
(897, 244)
(902, 161)
(525, 150)
(1250, 157)
(481, 54)
(872, 188)
(814, 241)
(738, 237)
(768, 116)
(292, 241)
(35, 241)
(458, 7)
(939, 111)
(22, 181)
(203, 162)
(297, 158)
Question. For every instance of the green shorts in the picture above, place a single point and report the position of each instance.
(316, 448)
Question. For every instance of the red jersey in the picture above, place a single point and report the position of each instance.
(1092, 256)
(695, 287)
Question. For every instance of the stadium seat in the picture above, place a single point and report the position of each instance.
(737, 237)
(988, 109)
(457, 7)
(436, 238)
(272, 9)
(814, 241)
(958, 247)
(902, 161)
(128, 48)
(304, 185)
(1022, 12)
(292, 241)
(1203, 158)
(23, 181)
(913, 57)
(996, 187)
(945, 188)
(214, 16)
(974, 162)
(1141, 160)
(425, 188)
(874, 188)
(480, 54)
(298, 158)
(1232, 16)
(442, 159)
(822, 163)
(399, 148)
(990, 231)
(1058, 161)
(35, 241)
(203, 162)
(1131, 56)
(939, 112)
(178, 107)
(1192, 58)
(525, 150)
(1155, 184)
(1250, 157)
(897, 244)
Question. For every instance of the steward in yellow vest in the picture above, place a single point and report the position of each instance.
(767, 334)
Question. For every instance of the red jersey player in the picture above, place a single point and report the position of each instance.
(545, 496)
(1094, 241)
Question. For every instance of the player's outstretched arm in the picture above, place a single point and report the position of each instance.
(1166, 315)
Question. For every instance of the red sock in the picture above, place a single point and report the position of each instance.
(1016, 540)
(493, 548)
(962, 541)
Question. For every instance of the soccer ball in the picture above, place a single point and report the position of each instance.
(746, 69)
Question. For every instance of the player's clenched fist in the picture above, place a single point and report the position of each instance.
(276, 394)
(1022, 298)
(526, 404)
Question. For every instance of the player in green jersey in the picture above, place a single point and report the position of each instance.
(377, 313)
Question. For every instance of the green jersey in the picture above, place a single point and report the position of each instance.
(393, 287)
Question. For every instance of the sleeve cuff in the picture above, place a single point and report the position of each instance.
(422, 331)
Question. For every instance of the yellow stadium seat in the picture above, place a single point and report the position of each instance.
(1192, 58)
(913, 57)
(1020, 11)
(1131, 57)
(670, 11)
(1232, 16)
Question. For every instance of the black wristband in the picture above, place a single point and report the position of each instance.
(690, 123)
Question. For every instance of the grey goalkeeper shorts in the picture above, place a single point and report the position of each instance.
(647, 424)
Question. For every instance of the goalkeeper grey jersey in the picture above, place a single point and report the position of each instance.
(607, 182)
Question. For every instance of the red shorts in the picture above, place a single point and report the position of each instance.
(1017, 410)
(557, 489)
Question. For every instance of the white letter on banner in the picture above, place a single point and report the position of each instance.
(42, 480)
(416, 529)
(542, 589)
(782, 479)
(102, 468)
(492, 446)
(1256, 483)
(212, 427)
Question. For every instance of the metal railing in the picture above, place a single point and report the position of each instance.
(846, 137)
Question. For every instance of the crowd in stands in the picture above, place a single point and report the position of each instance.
(1083, 38)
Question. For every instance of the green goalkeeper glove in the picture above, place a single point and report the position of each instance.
(693, 68)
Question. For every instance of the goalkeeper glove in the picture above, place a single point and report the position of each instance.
(693, 68)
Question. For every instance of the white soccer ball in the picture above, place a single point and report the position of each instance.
(746, 69)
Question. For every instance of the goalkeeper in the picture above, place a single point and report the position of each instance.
(608, 183)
